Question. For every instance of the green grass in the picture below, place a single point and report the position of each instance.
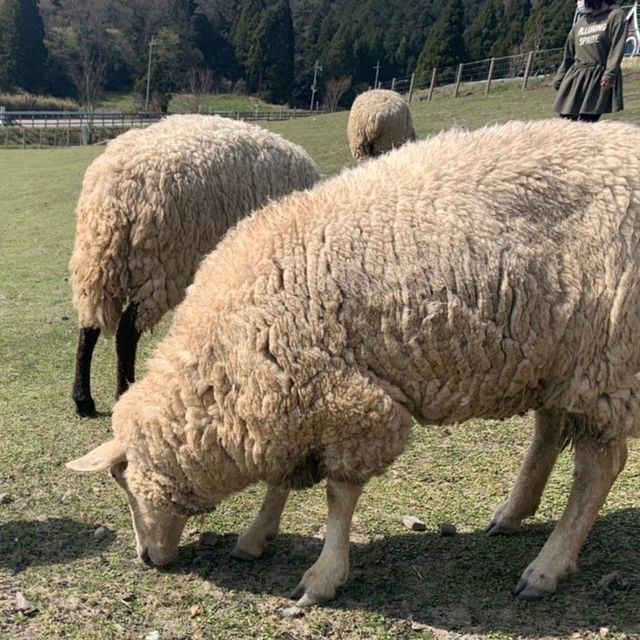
(402, 585)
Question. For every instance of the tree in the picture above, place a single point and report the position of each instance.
(217, 53)
(23, 55)
(270, 62)
(334, 89)
(244, 30)
(200, 86)
(445, 44)
(167, 70)
(88, 77)
(549, 25)
(486, 28)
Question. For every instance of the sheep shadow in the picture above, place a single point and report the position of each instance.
(461, 583)
(26, 544)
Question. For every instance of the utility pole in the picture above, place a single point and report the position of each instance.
(377, 68)
(314, 86)
(151, 43)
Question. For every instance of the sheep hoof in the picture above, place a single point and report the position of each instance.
(525, 591)
(305, 599)
(496, 528)
(86, 407)
(241, 554)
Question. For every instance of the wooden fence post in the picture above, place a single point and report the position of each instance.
(527, 70)
(491, 64)
(458, 78)
(393, 84)
(413, 77)
(433, 83)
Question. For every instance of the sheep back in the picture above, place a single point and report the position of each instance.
(477, 274)
(379, 120)
(159, 199)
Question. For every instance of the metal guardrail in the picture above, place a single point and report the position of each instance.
(75, 119)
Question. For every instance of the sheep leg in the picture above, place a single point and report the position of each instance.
(331, 569)
(81, 394)
(596, 468)
(524, 498)
(264, 528)
(127, 337)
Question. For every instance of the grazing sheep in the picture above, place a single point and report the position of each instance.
(475, 275)
(152, 206)
(379, 120)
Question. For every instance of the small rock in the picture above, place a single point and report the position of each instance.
(446, 529)
(292, 612)
(604, 631)
(5, 498)
(23, 605)
(154, 635)
(207, 539)
(99, 534)
(196, 610)
(613, 580)
(413, 523)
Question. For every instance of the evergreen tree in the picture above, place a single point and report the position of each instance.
(485, 30)
(516, 16)
(549, 25)
(245, 28)
(308, 19)
(217, 54)
(270, 63)
(167, 71)
(23, 55)
(445, 43)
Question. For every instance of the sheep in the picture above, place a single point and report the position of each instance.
(379, 120)
(474, 275)
(152, 206)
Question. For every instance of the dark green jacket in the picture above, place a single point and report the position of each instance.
(593, 52)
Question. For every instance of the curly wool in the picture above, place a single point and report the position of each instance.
(159, 199)
(476, 274)
(379, 120)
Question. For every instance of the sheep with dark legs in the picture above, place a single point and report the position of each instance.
(474, 275)
(152, 206)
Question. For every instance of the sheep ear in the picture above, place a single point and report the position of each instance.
(102, 457)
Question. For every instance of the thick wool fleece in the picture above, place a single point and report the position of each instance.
(159, 199)
(379, 120)
(476, 274)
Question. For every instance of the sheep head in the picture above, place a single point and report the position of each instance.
(157, 530)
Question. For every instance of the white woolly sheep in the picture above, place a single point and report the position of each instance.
(474, 275)
(152, 206)
(379, 120)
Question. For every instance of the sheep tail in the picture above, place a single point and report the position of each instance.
(98, 265)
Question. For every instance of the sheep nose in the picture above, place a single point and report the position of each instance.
(144, 556)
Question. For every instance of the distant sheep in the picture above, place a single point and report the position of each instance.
(379, 120)
(152, 206)
(475, 275)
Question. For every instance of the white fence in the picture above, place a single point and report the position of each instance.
(75, 119)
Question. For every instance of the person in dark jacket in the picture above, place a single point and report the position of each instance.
(589, 80)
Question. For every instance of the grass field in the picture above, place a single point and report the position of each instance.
(402, 585)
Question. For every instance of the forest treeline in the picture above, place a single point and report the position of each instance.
(80, 48)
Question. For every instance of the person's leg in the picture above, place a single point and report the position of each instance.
(589, 117)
